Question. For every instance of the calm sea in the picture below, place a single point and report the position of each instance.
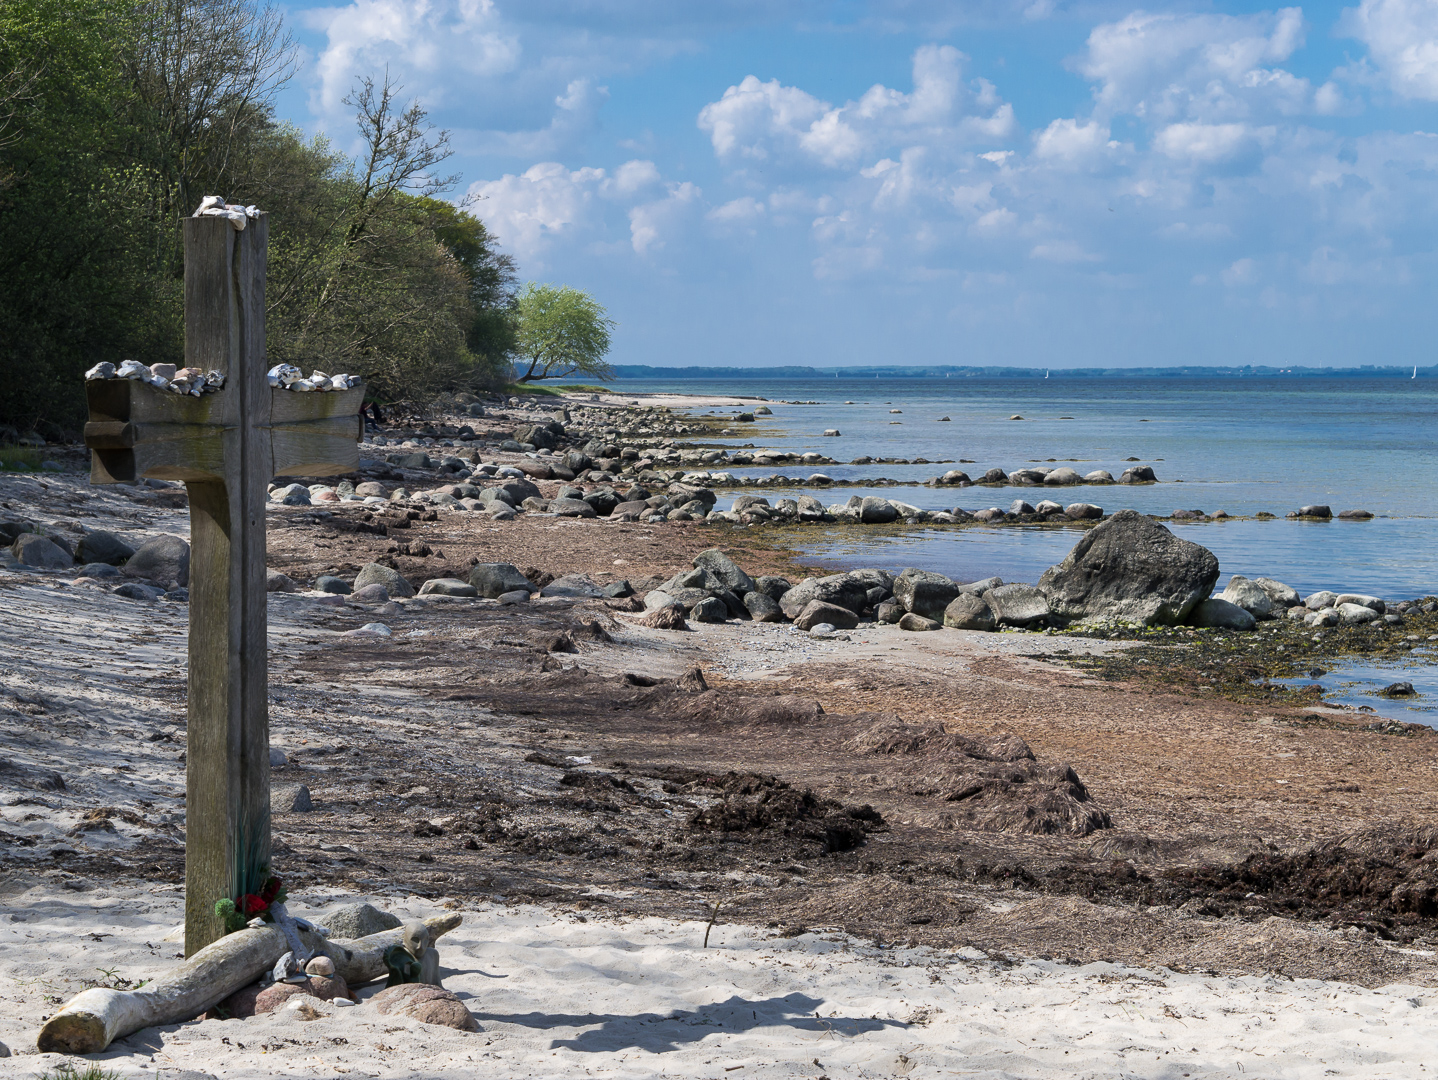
(1239, 445)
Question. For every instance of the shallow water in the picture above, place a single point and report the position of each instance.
(1389, 558)
(1358, 684)
(1239, 445)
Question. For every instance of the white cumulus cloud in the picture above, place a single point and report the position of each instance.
(1402, 40)
(415, 38)
(1071, 141)
(528, 210)
(1202, 67)
(762, 121)
(1206, 143)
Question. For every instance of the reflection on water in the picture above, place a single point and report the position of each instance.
(1359, 683)
(1393, 558)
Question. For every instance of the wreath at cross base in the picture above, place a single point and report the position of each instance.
(236, 914)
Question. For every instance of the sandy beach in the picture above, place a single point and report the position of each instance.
(568, 994)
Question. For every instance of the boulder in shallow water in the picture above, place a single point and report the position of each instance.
(1063, 476)
(1223, 615)
(1131, 568)
(877, 511)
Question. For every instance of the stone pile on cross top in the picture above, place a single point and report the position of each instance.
(226, 446)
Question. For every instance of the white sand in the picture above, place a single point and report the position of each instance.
(571, 995)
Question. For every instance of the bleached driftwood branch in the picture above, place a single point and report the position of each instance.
(95, 1018)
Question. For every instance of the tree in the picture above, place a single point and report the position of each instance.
(562, 331)
(492, 332)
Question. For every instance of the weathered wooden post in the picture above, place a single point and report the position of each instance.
(225, 446)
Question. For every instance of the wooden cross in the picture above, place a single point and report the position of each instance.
(225, 446)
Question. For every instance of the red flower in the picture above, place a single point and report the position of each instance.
(252, 905)
(271, 890)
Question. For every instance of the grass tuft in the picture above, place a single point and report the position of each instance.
(19, 458)
(66, 1071)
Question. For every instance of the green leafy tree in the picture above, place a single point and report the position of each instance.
(562, 331)
(116, 116)
(492, 332)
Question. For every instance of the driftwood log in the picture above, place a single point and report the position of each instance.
(95, 1018)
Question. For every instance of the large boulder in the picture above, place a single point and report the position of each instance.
(163, 560)
(1063, 476)
(1017, 605)
(1249, 595)
(1130, 568)
(1353, 614)
(877, 511)
(104, 547)
(923, 592)
(969, 612)
(1282, 595)
(497, 578)
(772, 586)
(378, 574)
(725, 569)
(845, 590)
(1223, 615)
(516, 490)
(32, 549)
(603, 500)
(816, 612)
(762, 607)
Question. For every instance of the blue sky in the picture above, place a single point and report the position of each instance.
(1027, 182)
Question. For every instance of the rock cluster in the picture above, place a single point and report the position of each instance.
(190, 380)
(1042, 476)
(289, 377)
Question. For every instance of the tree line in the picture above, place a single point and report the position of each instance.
(118, 116)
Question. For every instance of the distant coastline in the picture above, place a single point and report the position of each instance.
(1370, 371)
